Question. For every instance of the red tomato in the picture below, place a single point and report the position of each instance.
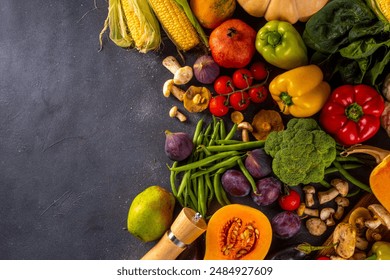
(223, 85)
(259, 70)
(218, 106)
(258, 94)
(242, 78)
(290, 201)
(323, 258)
(239, 100)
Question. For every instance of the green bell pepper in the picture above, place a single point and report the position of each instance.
(281, 45)
(380, 250)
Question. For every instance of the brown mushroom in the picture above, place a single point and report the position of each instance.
(316, 226)
(361, 243)
(196, 99)
(309, 195)
(245, 128)
(344, 236)
(266, 121)
(182, 75)
(341, 202)
(380, 217)
(326, 215)
(170, 88)
(340, 186)
(357, 219)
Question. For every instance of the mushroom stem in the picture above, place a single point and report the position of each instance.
(171, 64)
(174, 113)
(378, 153)
(309, 195)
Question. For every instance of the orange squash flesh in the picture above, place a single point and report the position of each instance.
(380, 182)
(238, 231)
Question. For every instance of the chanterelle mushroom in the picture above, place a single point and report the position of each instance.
(182, 75)
(380, 217)
(266, 121)
(196, 99)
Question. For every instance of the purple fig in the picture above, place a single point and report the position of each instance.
(178, 145)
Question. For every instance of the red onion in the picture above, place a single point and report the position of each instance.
(206, 70)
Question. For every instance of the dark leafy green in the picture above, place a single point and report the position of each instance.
(350, 43)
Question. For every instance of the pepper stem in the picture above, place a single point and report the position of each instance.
(354, 112)
(273, 38)
(286, 99)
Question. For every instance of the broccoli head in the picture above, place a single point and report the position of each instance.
(301, 152)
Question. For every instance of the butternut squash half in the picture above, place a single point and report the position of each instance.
(286, 10)
(238, 232)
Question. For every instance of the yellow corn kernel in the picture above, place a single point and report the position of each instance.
(175, 23)
(384, 7)
(132, 22)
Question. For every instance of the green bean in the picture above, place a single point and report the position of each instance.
(197, 131)
(231, 132)
(205, 161)
(192, 197)
(218, 187)
(224, 197)
(353, 193)
(348, 158)
(229, 163)
(184, 182)
(210, 187)
(222, 129)
(201, 196)
(204, 149)
(215, 134)
(237, 147)
(346, 166)
(325, 184)
(229, 142)
(172, 179)
(247, 175)
(350, 178)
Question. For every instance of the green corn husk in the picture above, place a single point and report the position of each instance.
(115, 20)
(149, 29)
(187, 10)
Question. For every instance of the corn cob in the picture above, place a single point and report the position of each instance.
(115, 20)
(142, 23)
(381, 8)
(175, 23)
(384, 7)
(132, 24)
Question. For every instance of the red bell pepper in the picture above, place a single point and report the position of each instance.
(352, 113)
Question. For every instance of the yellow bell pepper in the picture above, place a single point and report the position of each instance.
(300, 92)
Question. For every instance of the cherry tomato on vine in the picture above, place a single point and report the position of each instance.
(258, 94)
(223, 85)
(290, 201)
(218, 106)
(242, 78)
(259, 70)
(239, 100)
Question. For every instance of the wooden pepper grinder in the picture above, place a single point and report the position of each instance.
(187, 227)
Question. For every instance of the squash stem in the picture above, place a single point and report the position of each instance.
(378, 153)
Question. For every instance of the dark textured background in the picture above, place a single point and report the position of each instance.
(81, 132)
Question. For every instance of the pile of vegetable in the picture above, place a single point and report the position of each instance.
(306, 87)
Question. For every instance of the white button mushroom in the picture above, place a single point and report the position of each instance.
(174, 113)
(380, 217)
(245, 128)
(182, 75)
(169, 87)
(309, 195)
